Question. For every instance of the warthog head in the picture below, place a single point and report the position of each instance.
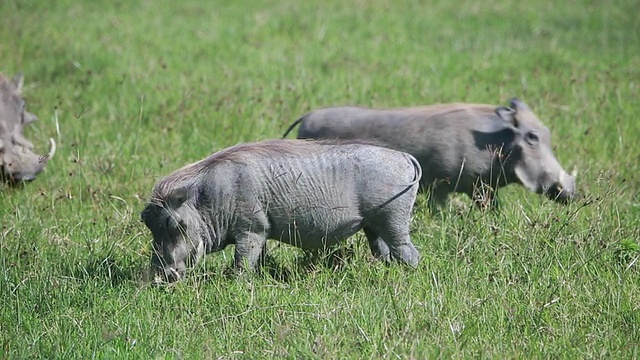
(18, 162)
(533, 162)
(178, 232)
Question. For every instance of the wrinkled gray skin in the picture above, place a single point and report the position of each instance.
(305, 193)
(17, 160)
(465, 148)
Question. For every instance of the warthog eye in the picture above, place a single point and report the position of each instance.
(532, 138)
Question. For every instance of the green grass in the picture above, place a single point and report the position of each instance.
(132, 90)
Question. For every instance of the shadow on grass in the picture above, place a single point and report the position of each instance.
(308, 263)
(108, 269)
(283, 269)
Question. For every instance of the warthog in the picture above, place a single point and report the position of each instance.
(305, 193)
(17, 160)
(466, 148)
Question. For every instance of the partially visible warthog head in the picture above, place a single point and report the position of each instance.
(22, 165)
(18, 162)
(177, 235)
(534, 163)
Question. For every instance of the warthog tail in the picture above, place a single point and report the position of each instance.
(418, 169)
(295, 123)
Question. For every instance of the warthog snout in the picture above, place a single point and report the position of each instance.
(564, 190)
(22, 165)
(166, 275)
(161, 272)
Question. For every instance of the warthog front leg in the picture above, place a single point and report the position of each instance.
(250, 251)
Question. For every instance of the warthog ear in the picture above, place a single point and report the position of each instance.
(523, 113)
(28, 118)
(17, 81)
(518, 105)
(507, 114)
(178, 197)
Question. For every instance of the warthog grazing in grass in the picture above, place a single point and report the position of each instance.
(466, 148)
(305, 193)
(17, 160)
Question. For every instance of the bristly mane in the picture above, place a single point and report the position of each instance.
(188, 175)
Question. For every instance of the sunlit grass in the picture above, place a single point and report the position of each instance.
(133, 90)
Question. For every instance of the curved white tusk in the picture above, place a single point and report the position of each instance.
(51, 152)
(175, 273)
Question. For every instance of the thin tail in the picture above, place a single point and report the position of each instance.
(418, 168)
(295, 123)
(418, 176)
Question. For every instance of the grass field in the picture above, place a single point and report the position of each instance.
(133, 90)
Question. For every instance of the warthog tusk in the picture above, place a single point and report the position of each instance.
(49, 155)
(175, 273)
(574, 172)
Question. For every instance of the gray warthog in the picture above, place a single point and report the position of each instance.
(466, 148)
(305, 193)
(17, 160)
